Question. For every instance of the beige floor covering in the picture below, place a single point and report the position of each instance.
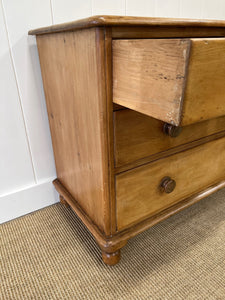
(49, 254)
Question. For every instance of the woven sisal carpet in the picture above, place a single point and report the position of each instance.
(49, 254)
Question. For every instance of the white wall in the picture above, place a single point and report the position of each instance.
(26, 158)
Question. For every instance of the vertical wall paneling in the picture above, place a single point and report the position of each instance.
(167, 9)
(191, 9)
(214, 9)
(104, 7)
(142, 8)
(15, 161)
(51, 7)
(20, 17)
(69, 10)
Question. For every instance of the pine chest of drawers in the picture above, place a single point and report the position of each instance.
(136, 109)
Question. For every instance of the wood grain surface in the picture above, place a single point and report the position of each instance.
(137, 191)
(105, 20)
(110, 129)
(144, 32)
(72, 65)
(137, 136)
(149, 76)
(110, 164)
(205, 90)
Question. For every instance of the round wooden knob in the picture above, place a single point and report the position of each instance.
(167, 185)
(171, 130)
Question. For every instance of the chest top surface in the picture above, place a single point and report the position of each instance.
(115, 21)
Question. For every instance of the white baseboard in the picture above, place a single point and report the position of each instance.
(27, 200)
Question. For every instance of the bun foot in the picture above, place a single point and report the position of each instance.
(111, 259)
(63, 201)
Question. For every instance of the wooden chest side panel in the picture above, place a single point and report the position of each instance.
(72, 65)
(137, 191)
(204, 96)
(149, 76)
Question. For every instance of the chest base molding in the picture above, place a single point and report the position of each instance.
(111, 245)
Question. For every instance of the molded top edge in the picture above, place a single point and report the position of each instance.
(97, 21)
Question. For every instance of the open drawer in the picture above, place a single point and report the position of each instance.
(178, 81)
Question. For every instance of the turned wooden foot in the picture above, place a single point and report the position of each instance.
(111, 258)
(63, 201)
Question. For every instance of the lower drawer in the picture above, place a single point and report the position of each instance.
(139, 193)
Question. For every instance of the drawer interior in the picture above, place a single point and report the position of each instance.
(178, 81)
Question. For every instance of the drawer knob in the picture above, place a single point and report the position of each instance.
(167, 185)
(171, 130)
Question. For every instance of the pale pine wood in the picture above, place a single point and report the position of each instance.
(205, 92)
(149, 76)
(110, 128)
(105, 20)
(77, 67)
(111, 258)
(92, 227)
(118, 107)
(137, 135)
(168, 152)
(132, 231)
(63, 201)
(72, 65)
(137, 191)
(118, 240)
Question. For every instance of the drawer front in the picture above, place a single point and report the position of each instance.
(138, 136)
(178, 81)
(138, 191)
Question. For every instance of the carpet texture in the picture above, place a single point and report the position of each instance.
(49, 254)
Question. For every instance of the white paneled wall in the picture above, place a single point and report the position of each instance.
(16, 170)
(115, 7)
(167, 9)
(69, 10)
(27, 164)
(143, 8)
(19, 19)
